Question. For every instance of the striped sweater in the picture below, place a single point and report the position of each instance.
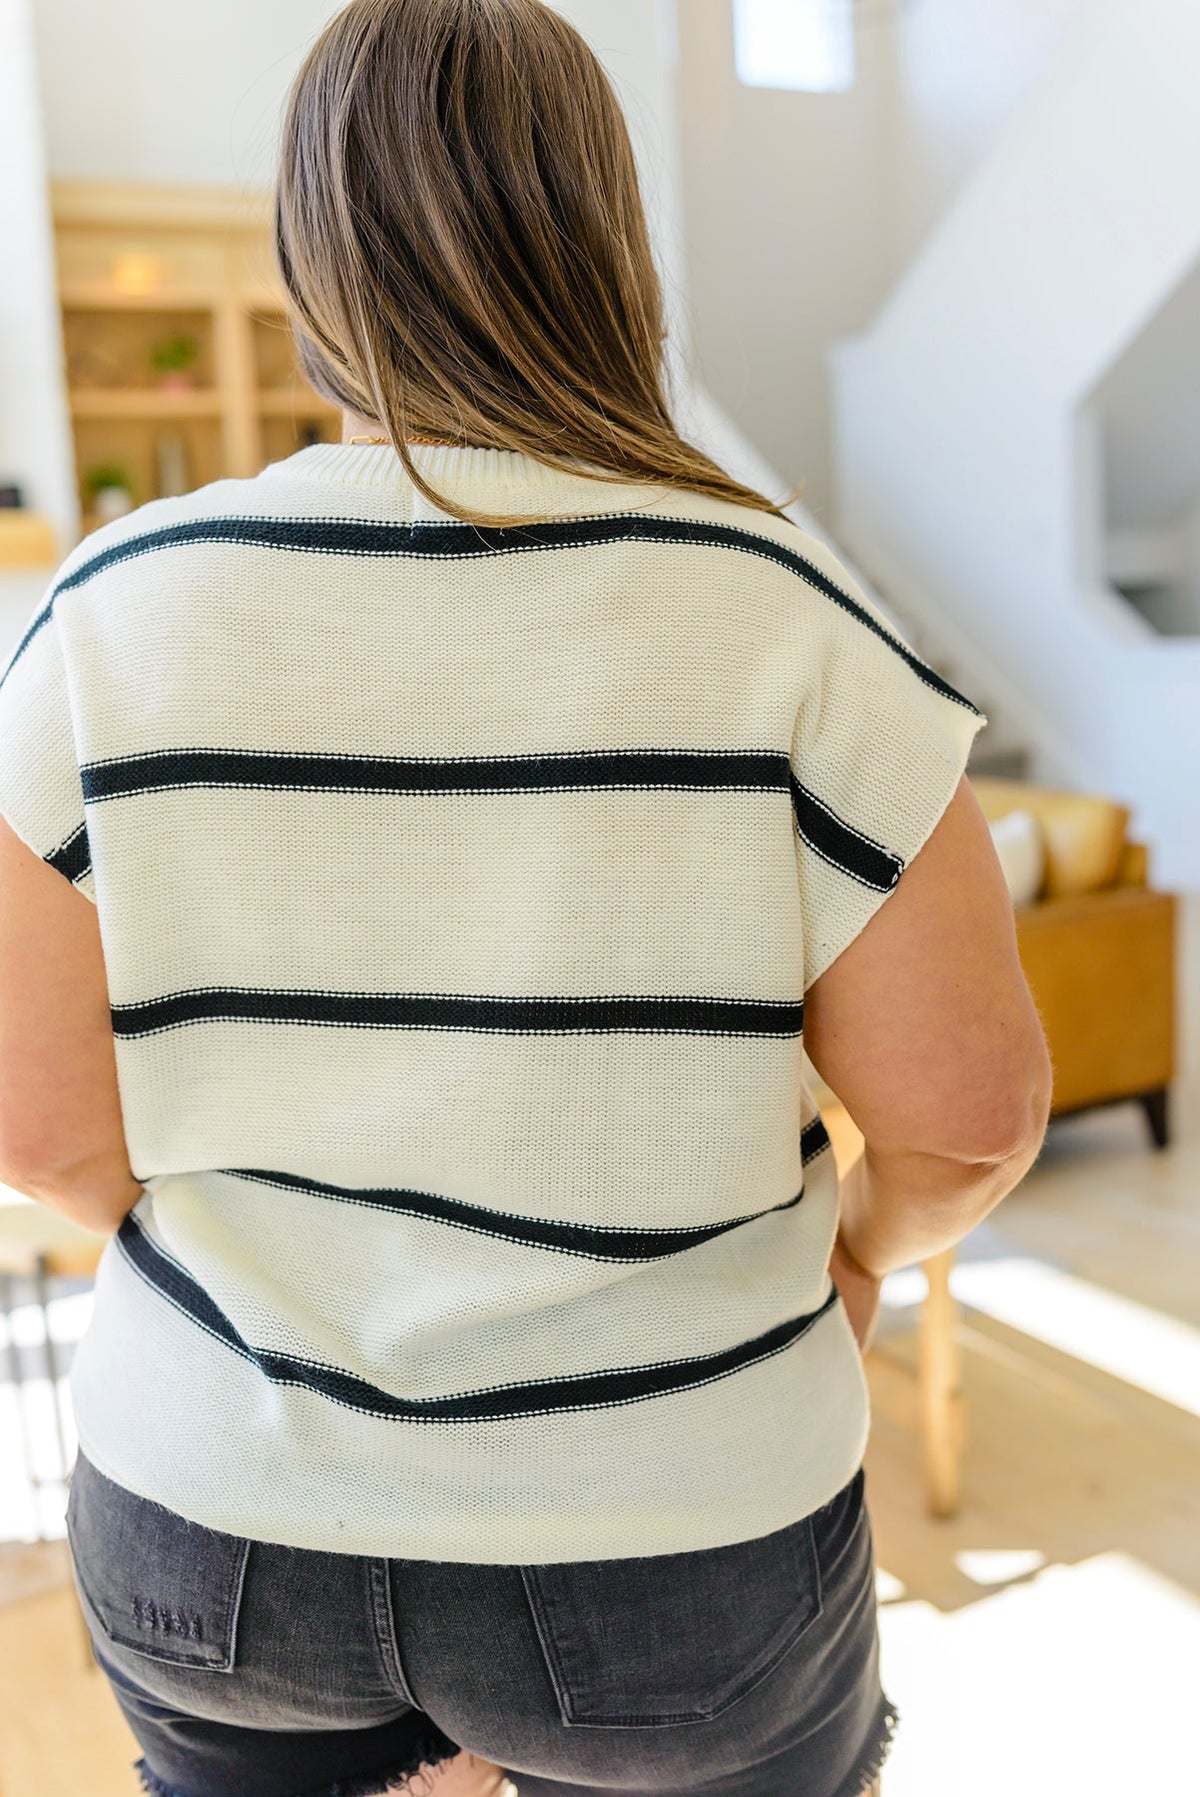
(459, 892)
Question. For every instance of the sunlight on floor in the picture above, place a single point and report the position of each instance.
(998, 1565)
(1146, 1348)
(1157, 1353)
(1055, 1676)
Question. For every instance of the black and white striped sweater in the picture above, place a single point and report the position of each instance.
(459, 892)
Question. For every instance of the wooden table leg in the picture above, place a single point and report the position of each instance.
(940, 1381)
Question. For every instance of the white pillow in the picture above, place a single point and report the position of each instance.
(1018, 840)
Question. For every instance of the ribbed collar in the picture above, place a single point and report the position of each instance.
(497, 481)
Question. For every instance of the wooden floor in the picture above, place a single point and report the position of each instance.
(61, 1735)
(1046, 1641)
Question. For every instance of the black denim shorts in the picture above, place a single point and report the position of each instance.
(252, 1670)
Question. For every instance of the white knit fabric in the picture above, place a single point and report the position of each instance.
(459, 892)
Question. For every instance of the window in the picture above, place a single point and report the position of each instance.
(805, 44)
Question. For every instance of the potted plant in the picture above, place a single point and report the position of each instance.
(109, 490)
(172, 359)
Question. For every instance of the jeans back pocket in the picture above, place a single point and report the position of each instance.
(154, 1584)
(672, 1638)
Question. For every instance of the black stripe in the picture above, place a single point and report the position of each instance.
(842, 846)
(443, 1011)
(814, 1140)
(168, 1277)
(590, 1243)
(74, 856)
(173, 770)
(536, 1397)
(637, 768)
(42, 619)
(455, 542)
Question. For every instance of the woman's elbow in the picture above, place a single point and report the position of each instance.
(96, 1195)
(1007, 1124)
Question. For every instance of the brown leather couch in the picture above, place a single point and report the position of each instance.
(1098, 948)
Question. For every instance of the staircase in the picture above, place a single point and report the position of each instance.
(1000, 750)
(967, 457)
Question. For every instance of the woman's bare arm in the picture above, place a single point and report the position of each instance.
(61, 1134)
(925, 1029)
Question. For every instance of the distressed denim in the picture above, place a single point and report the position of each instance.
(252, 1670)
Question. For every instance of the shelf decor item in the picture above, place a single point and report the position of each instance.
(171, 465)
(172, 359)
(109, 490)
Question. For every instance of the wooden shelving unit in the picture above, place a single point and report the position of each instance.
(140, 266)
(132, 402)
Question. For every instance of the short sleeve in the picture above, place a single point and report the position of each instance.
(880, 744)
(41, 793)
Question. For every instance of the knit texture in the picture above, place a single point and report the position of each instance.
(459, 892)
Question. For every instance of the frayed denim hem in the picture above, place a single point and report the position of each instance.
(868, 1770)
(430, 1749)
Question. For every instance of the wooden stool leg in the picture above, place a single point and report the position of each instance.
(940, 1380)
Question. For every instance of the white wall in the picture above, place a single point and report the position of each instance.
(802, 209)
(963, 473)
(154, 90)
(784, 205)
(35, 449)
(962, 70)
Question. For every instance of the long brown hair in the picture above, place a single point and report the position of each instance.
(461, 233)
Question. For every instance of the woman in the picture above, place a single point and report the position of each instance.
(423, 863)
